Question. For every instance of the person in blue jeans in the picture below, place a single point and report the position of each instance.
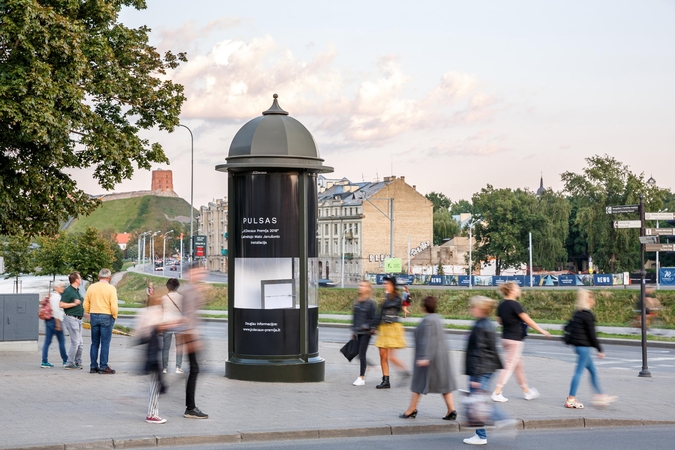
(482, 358)
(54, 327)
(583, 338)
(100, 304)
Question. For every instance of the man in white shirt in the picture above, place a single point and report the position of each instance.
(53, 327)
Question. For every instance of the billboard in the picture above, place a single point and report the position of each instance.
(199, 246)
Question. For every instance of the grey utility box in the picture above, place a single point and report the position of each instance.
(19, 313)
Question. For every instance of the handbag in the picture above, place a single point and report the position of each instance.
(479, 409)
(524, 329)
(350, 349)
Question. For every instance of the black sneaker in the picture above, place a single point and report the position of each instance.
(93, 370)
(195, 413)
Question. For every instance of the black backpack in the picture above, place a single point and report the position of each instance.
(567, 332)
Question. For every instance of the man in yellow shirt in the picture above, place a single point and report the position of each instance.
(100, 305)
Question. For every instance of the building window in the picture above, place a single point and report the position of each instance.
(327, 231)
(356, 228)
(326, 250)
(335, 229)
(335, 246)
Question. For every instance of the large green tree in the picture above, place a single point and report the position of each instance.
(76, 89)
(51, 256)
(440, 200)
(445, 227)
(605, 182)
(17, 253)
(90, 253)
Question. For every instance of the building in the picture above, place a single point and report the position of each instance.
(212, 223)
(162, 180)
(452, 255)
(122, 240)
(354, 219)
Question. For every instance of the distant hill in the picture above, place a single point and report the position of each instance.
(135, 214)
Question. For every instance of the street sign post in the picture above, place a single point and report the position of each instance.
(659, 216)
(659, 231)
(660, 247)
(627, 224)
(621, 209)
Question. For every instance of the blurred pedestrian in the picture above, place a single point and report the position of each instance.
(100, 304)
(53, 327)
(432, 372)
(172, 304)
(583, 338)
(363, 326)
(406, 301)
(71, 302)
(514, 322)
(193, 299)
(149, 292)
(390, 332)
(482, 358)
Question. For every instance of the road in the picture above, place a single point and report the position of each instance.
(619, 357)
(630, 438)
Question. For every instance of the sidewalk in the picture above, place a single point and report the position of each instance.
(53, 407)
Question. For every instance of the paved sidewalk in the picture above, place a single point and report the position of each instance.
(46, 407)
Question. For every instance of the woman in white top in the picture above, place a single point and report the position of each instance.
(172, 303)
(53, 327)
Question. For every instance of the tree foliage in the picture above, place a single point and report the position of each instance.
(18, 256)
(607, 182)
(440, 201)
(461, 207)
(51, 256)
(445, 227)
(76, 89)
(90, 253)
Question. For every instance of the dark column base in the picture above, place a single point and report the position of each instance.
(280, 371)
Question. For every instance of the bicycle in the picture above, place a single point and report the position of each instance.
(655, 323)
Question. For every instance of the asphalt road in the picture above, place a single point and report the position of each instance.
(630, 438)
(618, 357)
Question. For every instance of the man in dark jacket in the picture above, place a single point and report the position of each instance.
(364, 325)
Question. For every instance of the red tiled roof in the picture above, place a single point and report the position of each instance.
(122, 238)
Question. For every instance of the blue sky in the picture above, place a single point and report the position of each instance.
(453, 95)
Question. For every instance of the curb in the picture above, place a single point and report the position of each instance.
(383, 430)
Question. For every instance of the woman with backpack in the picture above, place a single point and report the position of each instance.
(514, 321)
(53, 326)
(582, 336)
(363, 326)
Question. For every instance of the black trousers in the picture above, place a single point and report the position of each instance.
(191, 386)
(363, 340)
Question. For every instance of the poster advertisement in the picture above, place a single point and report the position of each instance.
(267, 265)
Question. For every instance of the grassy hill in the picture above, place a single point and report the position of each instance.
(135, 214)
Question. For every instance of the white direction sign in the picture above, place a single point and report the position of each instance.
(659, 231)
(660, 248)
(659, 216)
(627, 224)
(621, 209)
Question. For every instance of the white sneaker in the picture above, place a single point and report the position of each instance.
(498, 398)
(532, 394)
(475, 440)
(164, 371)
(179, 370)
(359, 382)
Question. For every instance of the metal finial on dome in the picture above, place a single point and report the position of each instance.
(651, 181)
(275, 108)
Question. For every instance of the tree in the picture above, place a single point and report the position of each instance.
(549, 238)
(607, 182)
(445, 227)
(462, 206)
(439, 268)
(118, 260)
(51, 255)
(440, 201)
(18, 256)
(91, 253)
(76, 90)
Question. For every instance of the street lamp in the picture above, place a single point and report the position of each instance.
(658, 265)
(164, 252)
(342, 283)
(145, 234)
(192, 185)
(471, 225)
(152, 248)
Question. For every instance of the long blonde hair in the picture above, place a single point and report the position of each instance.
(584, 297)
(486, 305)
(507, 288)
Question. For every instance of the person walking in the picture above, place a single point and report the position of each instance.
(583, 338)
(53, 327)
(172, 305)
(514, 322)
(193, 299)
(390, 332)
(432, 372)
(482, 358)
(149, 292)
(406, 301)
(363, 326)
(71, 302)
(100, 305)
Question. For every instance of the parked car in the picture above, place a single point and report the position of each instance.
(174, 267)
(159, 268)
(324, 282)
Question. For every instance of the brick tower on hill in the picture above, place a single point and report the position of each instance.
(162, 180)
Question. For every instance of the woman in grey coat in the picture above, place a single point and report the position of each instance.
(431, 373)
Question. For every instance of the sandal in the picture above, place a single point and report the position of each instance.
(573, 403)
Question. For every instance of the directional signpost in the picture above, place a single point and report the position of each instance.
(659, 216)
(621, 209)
(627, 224)
(659, 231)
(660, 247)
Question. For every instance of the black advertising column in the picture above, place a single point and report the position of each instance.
(273, 313)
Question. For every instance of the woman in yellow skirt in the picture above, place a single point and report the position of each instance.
(390, 332)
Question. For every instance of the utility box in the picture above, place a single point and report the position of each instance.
(19, 313)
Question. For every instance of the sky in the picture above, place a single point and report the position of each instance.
(453, 95)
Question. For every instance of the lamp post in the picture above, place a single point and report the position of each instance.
(145, 234)
(658, 264)
(164, 252)
(342, 283)
(152, 248)
(192, 185)
(471, 225)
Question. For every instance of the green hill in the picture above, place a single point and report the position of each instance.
(135, 214)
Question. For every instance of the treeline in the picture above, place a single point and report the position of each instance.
(568, 227)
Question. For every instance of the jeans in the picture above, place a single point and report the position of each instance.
(167, 346)
(363, 340)
(191, 386)
(50, 331)
(101, 335)
(584, 361)
(484, 381)
(74, 327)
